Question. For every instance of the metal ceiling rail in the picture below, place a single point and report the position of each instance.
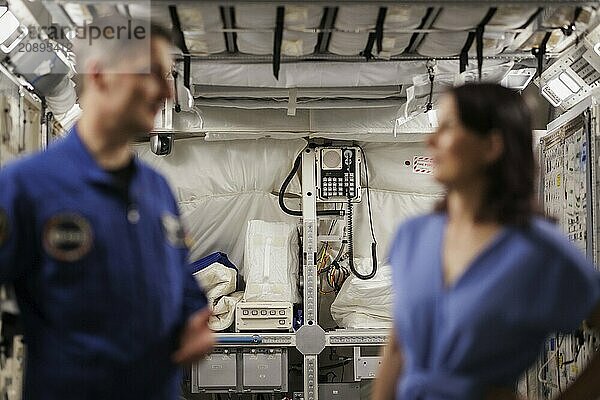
(440, 3)
(490, 28)
(220, 91)
(249, 58)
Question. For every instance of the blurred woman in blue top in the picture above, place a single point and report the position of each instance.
(482, 281)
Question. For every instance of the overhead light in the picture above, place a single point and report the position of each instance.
(518, 79)
(560, 88)
(570, 82)
(9, 25)
(551, 96)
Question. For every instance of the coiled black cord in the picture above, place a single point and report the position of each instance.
(286, 183)
(350, 244)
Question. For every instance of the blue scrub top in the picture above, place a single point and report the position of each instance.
(101, 276)
(489, 326)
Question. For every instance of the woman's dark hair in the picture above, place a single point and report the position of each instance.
(485, 108)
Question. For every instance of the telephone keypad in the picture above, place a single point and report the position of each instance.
(337, 186)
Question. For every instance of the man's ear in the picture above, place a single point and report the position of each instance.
(95, 76)
(495, 146)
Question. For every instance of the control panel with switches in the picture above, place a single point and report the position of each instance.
(259, 316)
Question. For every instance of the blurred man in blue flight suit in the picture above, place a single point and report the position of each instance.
(92, 241)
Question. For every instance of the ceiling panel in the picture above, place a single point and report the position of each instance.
(264, 16)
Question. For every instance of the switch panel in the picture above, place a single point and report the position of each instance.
(264, 316)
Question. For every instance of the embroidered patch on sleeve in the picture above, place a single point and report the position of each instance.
(173, 229)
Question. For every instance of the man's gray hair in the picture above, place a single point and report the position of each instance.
(115, 42)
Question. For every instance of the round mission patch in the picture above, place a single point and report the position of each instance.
(67, 237)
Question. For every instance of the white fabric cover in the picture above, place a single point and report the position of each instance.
(403, 17)
(442, 44)
(261, 43)
(264, 16)
(399, 18)
(220, 186)
(364, 304)
(511, 16)
(353, 22)
(271, 262)
(439, 44)
(224, 312)
(493, 43)
(348, 43)
(372, 125)
(203, 18)
(307, 74)
(219, 282)
(200, 24)
(226, 123)
(356, 17)
(209, 43)
(460, 18)
(394, 44)
(155, 12)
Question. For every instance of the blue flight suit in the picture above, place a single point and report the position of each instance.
(101, 276)
(484, 330)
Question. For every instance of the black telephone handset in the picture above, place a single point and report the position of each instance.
(338, 180)
(338, 172)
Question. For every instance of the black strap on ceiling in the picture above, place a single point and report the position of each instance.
(479, 39)
(417, 37)
(376, 36)
(379, 28)
(532, 18)
(367, 53)
(477, 35)
(178, 37)
(464, 53)
(278, 41)
(325, 27)
(540, 53)
(187, 66)
(228, 20)
(179, 40)
(93, 12)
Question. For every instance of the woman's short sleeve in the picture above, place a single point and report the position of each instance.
(569, 286)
